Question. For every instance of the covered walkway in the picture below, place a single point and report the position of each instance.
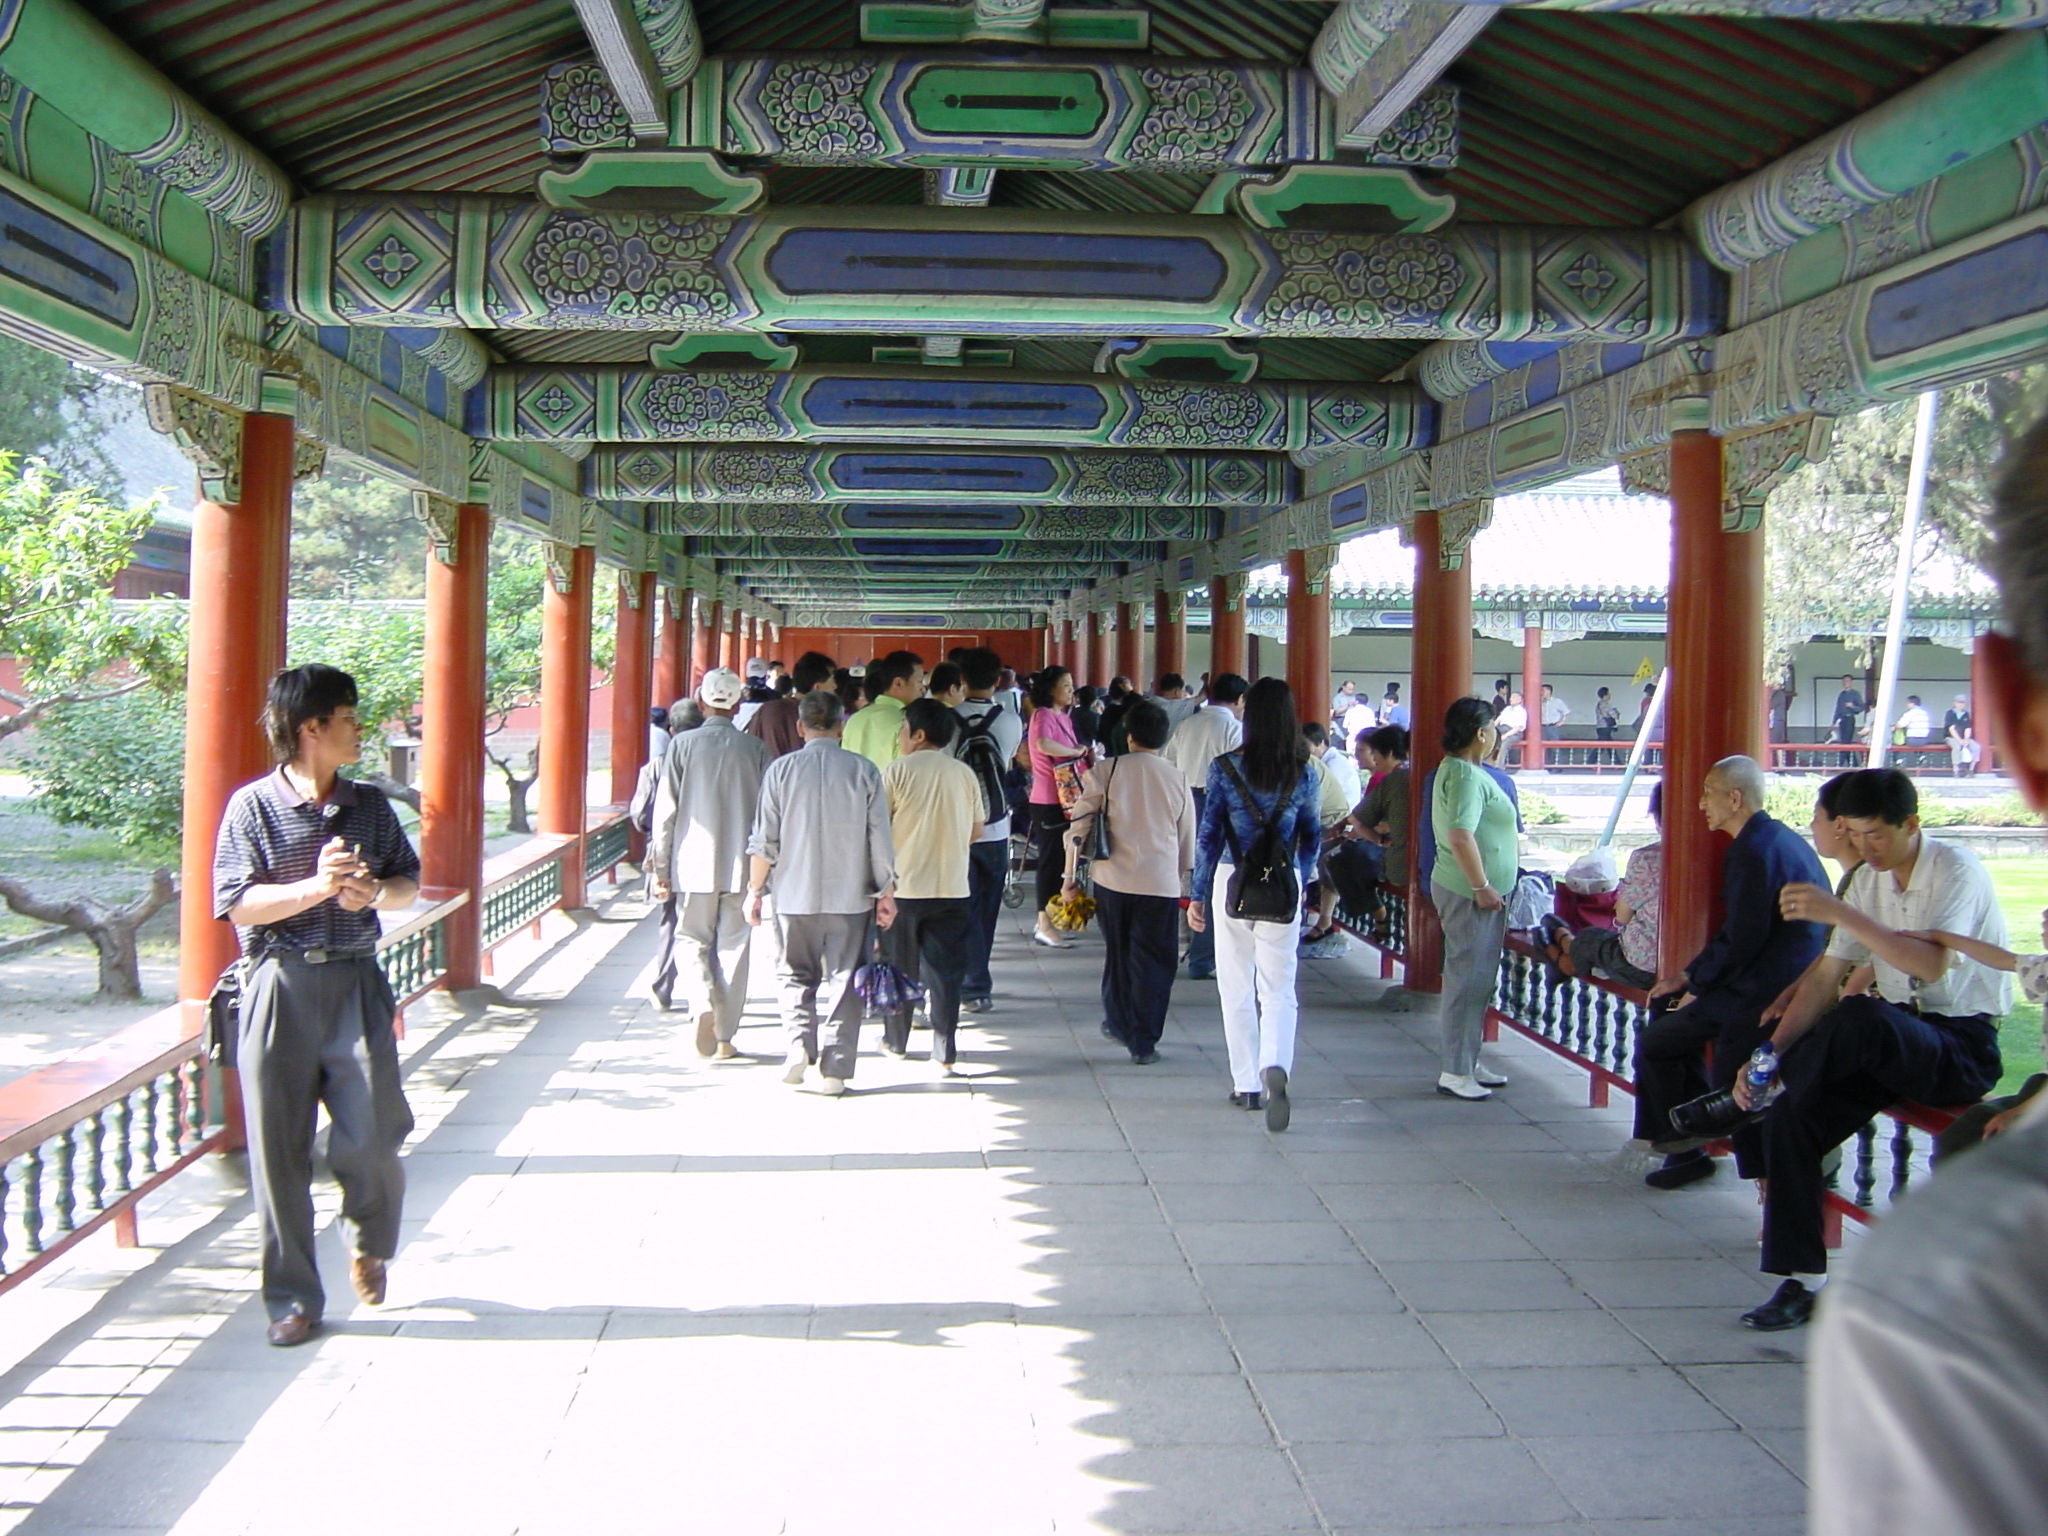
(644, 1293)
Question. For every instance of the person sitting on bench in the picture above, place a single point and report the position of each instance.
(1928, 1031)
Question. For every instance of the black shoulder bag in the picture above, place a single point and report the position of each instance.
(1099, 845)
(1263, 886)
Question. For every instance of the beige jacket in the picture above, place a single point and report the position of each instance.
(1151, 824)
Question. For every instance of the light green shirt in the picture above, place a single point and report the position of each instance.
(874, 731)
(1467, 798)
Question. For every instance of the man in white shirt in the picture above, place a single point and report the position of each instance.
(1555, 710)
(1217, 727)
(704, 804)
(1915, 723)
(1927, 1031)
(1358, 720)
(1510, 726)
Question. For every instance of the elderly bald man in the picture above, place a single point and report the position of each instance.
(1756, 954)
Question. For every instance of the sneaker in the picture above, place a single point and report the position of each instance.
(1278, 1110)
(977, 1004)
(1677, 1172)
(832, 1087)
(1144, 1058)
(794, 1068)
(942, 1069)
(1486, 1077)
(1451, 1086)
(1110, 1034)
(1790, 1307)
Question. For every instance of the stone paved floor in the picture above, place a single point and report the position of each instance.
(643, 1293)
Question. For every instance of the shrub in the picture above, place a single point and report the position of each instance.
(117, 766)
(1540, 811)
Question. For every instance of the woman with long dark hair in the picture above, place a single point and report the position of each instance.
(1053, 742)
(1477, 844)
(1262, 790)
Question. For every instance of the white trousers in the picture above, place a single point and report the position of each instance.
(1255, 983)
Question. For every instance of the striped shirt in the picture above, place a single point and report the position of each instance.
(271, 834)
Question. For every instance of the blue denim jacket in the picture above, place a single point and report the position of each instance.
(1299, 823)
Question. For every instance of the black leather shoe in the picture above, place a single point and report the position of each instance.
(1245, 1100)
(1790, 1307)
(1143, 1058)
(1110, 1034)
(1680, 1171)
(1278, 1110)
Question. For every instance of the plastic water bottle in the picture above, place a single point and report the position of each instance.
(1762, 1076)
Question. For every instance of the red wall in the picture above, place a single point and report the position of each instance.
(1023, 649)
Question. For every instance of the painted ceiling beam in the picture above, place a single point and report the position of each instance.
(1105, 478)
(922, 405)
(1016, 523)
(943, 477)
(628, 64)
(57, 50)
(1951, 13)
(837, 615)
(796, 595)
(933, 551)
(1377, 58)
(489, 263)
(936, 107)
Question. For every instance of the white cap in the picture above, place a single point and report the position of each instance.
(756, 667)
(721, 688)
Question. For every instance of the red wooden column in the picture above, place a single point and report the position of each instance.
(1442, 674)
(1308, 630)
(714, 631)
(1083, 645)
(1227, 649)
(1715, 648)
(565, 707)
(1130, 641)
(1980, 708)
(632, 682)
(671, 647)
(728, 636)
(703, 643)
(452, 735)
(1532, 694)
(1170, 632)
(235, 641)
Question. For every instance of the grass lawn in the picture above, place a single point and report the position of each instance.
(2022, 884)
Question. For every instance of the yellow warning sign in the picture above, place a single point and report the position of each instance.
(1645, 671)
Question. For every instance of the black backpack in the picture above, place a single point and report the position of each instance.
(978, 749)
(1264, 885)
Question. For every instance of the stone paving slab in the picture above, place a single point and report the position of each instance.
(642, 1292)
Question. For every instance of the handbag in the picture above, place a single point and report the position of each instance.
(224, 1016)
(1099, 845)
(1067, 776)
(1263, 885)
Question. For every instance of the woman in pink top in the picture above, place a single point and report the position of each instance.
(1052, 741)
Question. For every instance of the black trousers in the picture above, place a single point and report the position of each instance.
(1863, 1054)
(1049, 835)
(1671, 1069)
(1141, 948)
(929, 940)
(988, 870)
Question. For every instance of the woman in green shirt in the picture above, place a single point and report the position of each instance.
(1476, 848)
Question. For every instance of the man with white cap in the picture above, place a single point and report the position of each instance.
(703, 813)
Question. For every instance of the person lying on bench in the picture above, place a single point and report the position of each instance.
(1980, 1122)
(1928, 1031)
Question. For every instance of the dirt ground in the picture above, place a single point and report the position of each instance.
(46, 1007)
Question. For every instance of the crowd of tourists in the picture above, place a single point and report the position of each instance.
(864, 818)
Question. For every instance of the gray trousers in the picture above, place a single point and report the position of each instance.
(820, 953)
(708, 956)
(1472, 948)
(316, 1035)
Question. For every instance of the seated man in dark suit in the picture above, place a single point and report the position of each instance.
(1757, 954)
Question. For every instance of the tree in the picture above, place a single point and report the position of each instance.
(118, 766)
(354, 536)
(112, 929)
(41, 410)
(60, 550)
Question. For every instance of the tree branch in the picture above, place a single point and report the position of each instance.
(33, 710)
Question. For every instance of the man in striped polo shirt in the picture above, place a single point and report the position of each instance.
(304, 861)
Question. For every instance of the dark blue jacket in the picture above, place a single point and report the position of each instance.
(1758, 953)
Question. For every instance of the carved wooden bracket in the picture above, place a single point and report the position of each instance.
(1753, 464)
(1317, 564)
(629, 590)
(1455, 529)
(561, 563)
(1235, 585)
(441, 517)
(209, 435)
